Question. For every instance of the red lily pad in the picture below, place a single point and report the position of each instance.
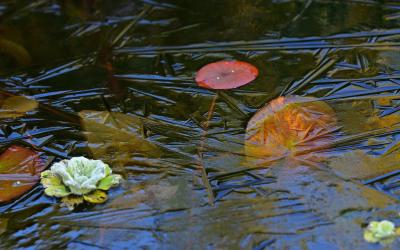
(290, 127)
(226, 75)
(20, 170)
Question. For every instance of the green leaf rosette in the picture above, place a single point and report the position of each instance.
(79, 179)
(383, 232)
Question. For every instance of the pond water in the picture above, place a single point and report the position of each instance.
(115, 80)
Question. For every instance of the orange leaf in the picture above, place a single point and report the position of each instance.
(20, 169)
(290, 126)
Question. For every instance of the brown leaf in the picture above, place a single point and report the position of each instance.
(359, 165)
(16, 51)
(115, 137)
(290, 126)
(71, 201)
(16, 106)
(3, 225)
(361, 116)
(20, 169)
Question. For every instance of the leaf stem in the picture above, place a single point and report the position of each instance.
(201, 166)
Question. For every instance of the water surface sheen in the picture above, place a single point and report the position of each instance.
(115, 81)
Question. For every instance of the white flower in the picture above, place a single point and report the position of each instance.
(81, 175)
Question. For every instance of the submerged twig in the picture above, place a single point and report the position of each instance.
(130, 25)
(202, 168)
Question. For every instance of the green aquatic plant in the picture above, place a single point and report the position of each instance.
(79, 179)
(383, 232)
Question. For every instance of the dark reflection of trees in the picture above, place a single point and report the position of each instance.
(340, 16)
(249, 20)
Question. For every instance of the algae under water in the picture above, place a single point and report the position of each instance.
(115, 81)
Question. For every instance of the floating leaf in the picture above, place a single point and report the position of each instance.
(79, 174)
(57, 191)
(115, 137)
(96, 197)
(20, 168)
(383, 232)
(226, 75)
(16, 106)
(79, 179)
(49, 179)
(290, 126)
(53, 185)
(109, 181)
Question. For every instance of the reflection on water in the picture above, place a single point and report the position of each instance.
(115, 80)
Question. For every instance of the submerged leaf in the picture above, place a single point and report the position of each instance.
(362, 116)
(20, 169)
(290, 126)
(3, 225)
(15, 51)
(359, 165)
(72, 201)
(115, 137)
(16, 106)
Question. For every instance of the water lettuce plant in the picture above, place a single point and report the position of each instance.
(383, 232)
(79, 179)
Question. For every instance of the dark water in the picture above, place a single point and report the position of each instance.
(85, 61)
